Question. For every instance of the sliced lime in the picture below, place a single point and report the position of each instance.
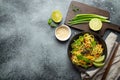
(95, 24)
(56, 16)
(98, 64)
(100, 59)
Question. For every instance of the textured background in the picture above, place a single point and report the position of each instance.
(28, 47)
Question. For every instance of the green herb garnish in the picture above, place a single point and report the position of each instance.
(75, 8)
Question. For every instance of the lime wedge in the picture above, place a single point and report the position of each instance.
(98, 64)
(95, 24)
(56, 16)
(100, 59)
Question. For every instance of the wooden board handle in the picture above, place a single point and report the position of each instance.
(109, 26)
(114, 27)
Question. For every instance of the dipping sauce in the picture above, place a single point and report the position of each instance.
(63, 33)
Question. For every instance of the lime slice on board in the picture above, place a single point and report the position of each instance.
(100, 59)
(98, 64)
(95, 24)
(56, 16)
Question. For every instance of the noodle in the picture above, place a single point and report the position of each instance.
(85, 50)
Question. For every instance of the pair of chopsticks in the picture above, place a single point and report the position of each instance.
(114, 51)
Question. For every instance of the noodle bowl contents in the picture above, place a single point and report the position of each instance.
(86, 50)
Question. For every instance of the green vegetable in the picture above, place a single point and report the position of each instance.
(93, 44)
(80, 57)
(51, 23)
(85, 18)
(91, 16)
(81, 38)
(76, 44)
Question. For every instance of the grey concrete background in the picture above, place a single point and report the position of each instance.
(28, 47)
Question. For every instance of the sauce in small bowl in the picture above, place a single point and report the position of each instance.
(63, 33)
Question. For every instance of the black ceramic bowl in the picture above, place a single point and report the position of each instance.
(97, 37)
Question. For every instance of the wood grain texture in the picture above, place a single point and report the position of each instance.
(84, 8)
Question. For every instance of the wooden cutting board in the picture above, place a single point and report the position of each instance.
(84, 8)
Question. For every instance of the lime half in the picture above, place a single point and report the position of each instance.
(56, 16)
(95, 24)
(98, 64)
(100, 59)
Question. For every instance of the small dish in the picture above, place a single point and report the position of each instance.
(63, 32)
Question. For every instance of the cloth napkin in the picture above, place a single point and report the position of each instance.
(115, 69)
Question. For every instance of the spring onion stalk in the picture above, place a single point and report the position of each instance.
(85, 18)
(91, 15)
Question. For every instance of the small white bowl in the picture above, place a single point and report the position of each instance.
(63, 32)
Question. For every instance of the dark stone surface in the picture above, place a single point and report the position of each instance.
(28, 47)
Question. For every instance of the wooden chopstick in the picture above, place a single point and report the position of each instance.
(114, 51)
